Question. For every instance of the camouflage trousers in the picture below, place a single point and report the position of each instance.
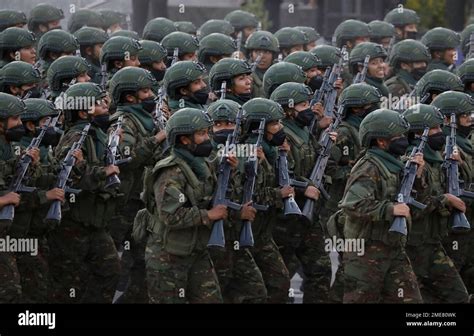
(302, 244)
(383, 274)
(10, 287)
(84, 264)
(460, 248)
(180, 279)
(438, 278)
(273, 269)
(240, 278)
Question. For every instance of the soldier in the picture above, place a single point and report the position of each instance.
(438, 279)
(186, 27)
(65, 69)
(17, 44)
(312, 35)
(291, 40)
(244, 22)
(327, 56)
(83, 261)
(113, 21)
(43, 18)
(239, 276)
(91, 41)
(458, 246)
(405, 21)
(267, 192)
(158, 28)
(185, 86)
(302, 242)
(466, 73)
(238, 77)
(152, 57)
(466, 40)
(376, 67)
(215, 47)
(120, 52)
(20, 79)
(126, 33)
(215, 26)
(381, 32)
(442, 43)
(84, 17)
(11, 18)
(436, 82)
(186, 44)
(264, 44)
(408, 60)
(382, 271)
(12, 130)
(178, 193)
(280, 73)
(350, 33)
(310, 64)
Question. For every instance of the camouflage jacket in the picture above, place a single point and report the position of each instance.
(400, 84)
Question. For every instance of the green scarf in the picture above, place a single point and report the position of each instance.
(302, 132)
(270, 151)
(465, 144)
(407, 77)
(25, 142)
(378, 83)
(143, 116)
(394, 165)
(354, 120)
(429, 155)
(198, 164)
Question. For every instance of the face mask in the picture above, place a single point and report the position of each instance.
(158, 74)
(245, 97)
(278, 138)
(315, 82)
(200, 96)
(418, 73)
(398, 146)
(15, 133)
(102, 121)
(437, 141)
(51, 137)
(411, 35)
(148, 104)
(371, 109)
(204, 149)
(465, 131)
(305, 117)
(220, 137)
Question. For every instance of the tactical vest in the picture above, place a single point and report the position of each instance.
(303, 153)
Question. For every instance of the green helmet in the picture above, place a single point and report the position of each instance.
(260, 108)
(84, 96)
(186, 43)
(350, 30)
(18, 73)
(408, 51)
(182, 74)
(215, 26)
(440, 38)
(130, 79)
(466, 38)
(14, 38)
(382, 123)
(186, 121)
(466, 71)
(304, 59)
(421, 116)
(115, 48)
(158, 28)
(289, 37)
(363, 49)
(240, 19)
(454, 102)
(37, 109)
(224, 109)
(310, 32)
(64, 69)
(216, 44)
(262, 40)
(186, 27)
(88, 36)
(401, 17)
(280, 73)
(437, 81)
(291, 94)
(328, 55)
(10, 106)
(11, 18)
(57, 41)
(127, 33)
(380, 29)
(110, 17)
(84, 17)
(225, 70)
(42, 14)
(151, 52)
(360, 94)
